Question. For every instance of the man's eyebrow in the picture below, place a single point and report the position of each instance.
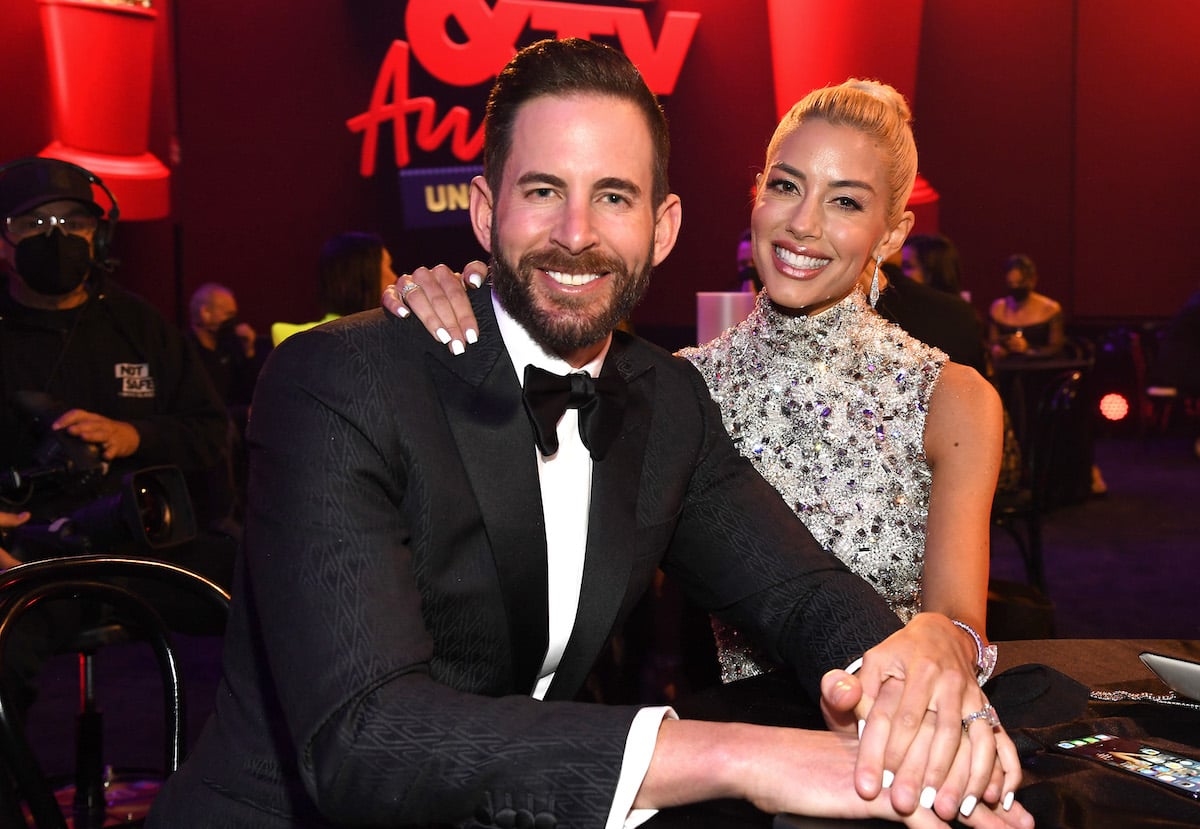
(535, 177)
(792, 171)
(617, 183)
(623, 185)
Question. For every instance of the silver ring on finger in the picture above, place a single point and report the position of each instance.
(987, 714)
(409, 287)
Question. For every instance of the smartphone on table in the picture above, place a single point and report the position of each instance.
(1179, 772)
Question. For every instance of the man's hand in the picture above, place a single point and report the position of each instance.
(116, 438)
(8, 520)
(782, 770)
(438, 297)
(247, 337)
(913, 691)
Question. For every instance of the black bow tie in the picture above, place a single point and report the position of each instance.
(600, 401)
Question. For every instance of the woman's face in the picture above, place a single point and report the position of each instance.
(1018, 279)
(820, 216)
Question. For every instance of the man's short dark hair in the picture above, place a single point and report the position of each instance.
(562, 68)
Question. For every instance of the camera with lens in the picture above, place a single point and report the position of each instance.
(151, 510)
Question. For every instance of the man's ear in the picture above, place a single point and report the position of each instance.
(667, 221)
(482, 212)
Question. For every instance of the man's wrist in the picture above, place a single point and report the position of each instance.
(985, 655)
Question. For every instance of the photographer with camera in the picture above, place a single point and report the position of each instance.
(105, 408)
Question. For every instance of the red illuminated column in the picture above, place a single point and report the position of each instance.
(815, 43)
(101, 58)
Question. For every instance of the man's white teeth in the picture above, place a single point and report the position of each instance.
(796, 260)
(572, 278)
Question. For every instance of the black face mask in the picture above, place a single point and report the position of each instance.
(1020, 294)
(54, 263)
(226, 337)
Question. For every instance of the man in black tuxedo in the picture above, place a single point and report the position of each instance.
(424, 590)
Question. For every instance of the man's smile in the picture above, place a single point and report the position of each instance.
(574, 279)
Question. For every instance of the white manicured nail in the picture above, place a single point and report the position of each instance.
(475, 279)
(967, 806)
(443, 335)
(403, 311)
(927, 796)
(1008, 801)
(472, 337)
(457, 348)
(861, 725)
(888, 779)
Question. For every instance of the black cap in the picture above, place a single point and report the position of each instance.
(31, 182)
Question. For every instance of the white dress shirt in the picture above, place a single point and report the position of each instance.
(566, 484)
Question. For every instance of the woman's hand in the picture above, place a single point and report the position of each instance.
(438, 296)
(913, 693)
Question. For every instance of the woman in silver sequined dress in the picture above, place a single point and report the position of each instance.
(886, 450)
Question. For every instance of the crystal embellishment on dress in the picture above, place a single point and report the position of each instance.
(831, 410)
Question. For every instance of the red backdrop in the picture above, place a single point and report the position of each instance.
(1062, 130)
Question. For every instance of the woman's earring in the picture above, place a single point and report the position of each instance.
(875, 281)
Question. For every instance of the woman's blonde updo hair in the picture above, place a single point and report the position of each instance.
(875, 109)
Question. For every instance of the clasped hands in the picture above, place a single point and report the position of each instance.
(924, 741)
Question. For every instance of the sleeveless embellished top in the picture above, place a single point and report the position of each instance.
(831, 411)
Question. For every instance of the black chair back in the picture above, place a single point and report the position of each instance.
(107, 580)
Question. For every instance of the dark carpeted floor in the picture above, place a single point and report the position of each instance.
(1122, 566)
(1126, 565)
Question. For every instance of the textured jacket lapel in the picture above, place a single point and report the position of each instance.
(612, 524)
(483, 407)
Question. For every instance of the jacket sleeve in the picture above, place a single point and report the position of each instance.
(335, 552)
(742, 553)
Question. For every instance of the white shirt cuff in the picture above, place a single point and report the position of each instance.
(639, 749)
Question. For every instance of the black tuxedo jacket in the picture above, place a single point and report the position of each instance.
(390, 608)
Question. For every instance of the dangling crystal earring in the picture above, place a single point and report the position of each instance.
(875, 281)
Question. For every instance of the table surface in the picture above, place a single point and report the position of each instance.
(1040, 363)
(1098, 663)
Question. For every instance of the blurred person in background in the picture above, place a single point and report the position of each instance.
(352, 271)
(1024, 323)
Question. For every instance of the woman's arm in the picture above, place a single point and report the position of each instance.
(964, 433)
(1058, 337)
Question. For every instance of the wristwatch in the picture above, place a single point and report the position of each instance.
(985, 655)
